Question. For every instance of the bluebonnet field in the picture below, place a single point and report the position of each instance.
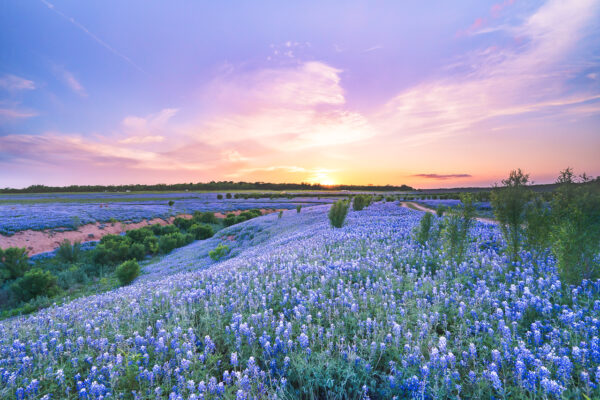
(359, 311)
(68, 212)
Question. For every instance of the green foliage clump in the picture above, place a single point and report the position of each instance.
(509, 203)
(423, 231)
(219, 252)
(127, 272)
(171, 202)
(576, 234)
(361, 201)
(137, 251)
(538, 224)
(68, 252)
(201, 231)
(229, 220)
(205, 217)
(33, 283)
(280, 215)
(440, 211)
(337, 213)
(183, 223)
(228, 195)
(220, 196)
(151, 244)
(456, 228)
(13, 263)
(298, 208)
(168, 242)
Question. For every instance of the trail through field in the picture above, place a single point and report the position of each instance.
(420, 207)
(37, 242)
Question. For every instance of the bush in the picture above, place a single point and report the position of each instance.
(228, 195)
(337, 213)
(509, 203)
(13, 262)
(220, 196)
(440, 211)
(127, 272)
(537, 224)
(202, 231)
(298, 208)
(280, 215)
(219, 252)
(139, 235)
(35, 282)
(229, 220)
(361, 201)
(576, 234)
(167, 230)
(171, 202)
(72, 276)
(112, 250)
(205, 217)
(183, 223)
(424, 230)
(68, 252)
(151, 244)
(137, 251)
(456, 229)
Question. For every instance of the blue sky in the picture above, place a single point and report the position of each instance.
(442, 94)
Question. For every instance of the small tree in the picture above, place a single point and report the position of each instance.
(202, 231)
(576, 234)
(361, 201)
(14, 262)
(69, 252)
(219, 252)
(298, 208)
(220, 196)
(171, 202)
(424, 230)
(337, 213)
(509, 203)
(127, 272)
(456, 228)
(35, 282)
(538, 224)
(440, 211)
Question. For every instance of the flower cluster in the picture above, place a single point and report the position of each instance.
(307, 309)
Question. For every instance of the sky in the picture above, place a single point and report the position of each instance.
(429, 94)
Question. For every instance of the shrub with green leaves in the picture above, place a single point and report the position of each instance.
(538, 224)
(167, 243)
(201, 231)
(35, 282)
(298, 208)
(576, 234)
(68, 252)
(127, 272)
(137, 251)
(205, 217)
(456, 228)
(440, 211)
(183, 223)
(337, 213)
(509, 203)
(361, 201)
(423, 231)
(219, 252)
(14, 262)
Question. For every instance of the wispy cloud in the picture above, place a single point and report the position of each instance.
(442, 176)
(13, 83)
(92, 36)
(8, 114)
(72, 83)
(373, 48)
(526, 77)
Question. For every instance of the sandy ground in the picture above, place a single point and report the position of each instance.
(37, 242)
(421, 207)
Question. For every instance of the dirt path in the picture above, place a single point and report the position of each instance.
(421, 207)
(37, 242)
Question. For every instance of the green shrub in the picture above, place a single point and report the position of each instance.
(137, 251)
(14, 262)
(509, 203)
(139, 235)
(298, 208)
(151, 244)
(280, 215)
(229, 220)
(171, 202)
(201, 231)
(337, 213)
(35, 282)
(112, 249)
(361, 201)
(538, 224)
(456, 229)
(167, 243)
(424, 230)
(440, 211)
(168, 229)
(576, 234)
(228, 195)
(220, 196)
(68, 252)
(205, 217)
(219, 252)
(127, 272)
(72, 276)
(183, 223)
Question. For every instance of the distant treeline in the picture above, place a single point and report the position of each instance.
(210, 186)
